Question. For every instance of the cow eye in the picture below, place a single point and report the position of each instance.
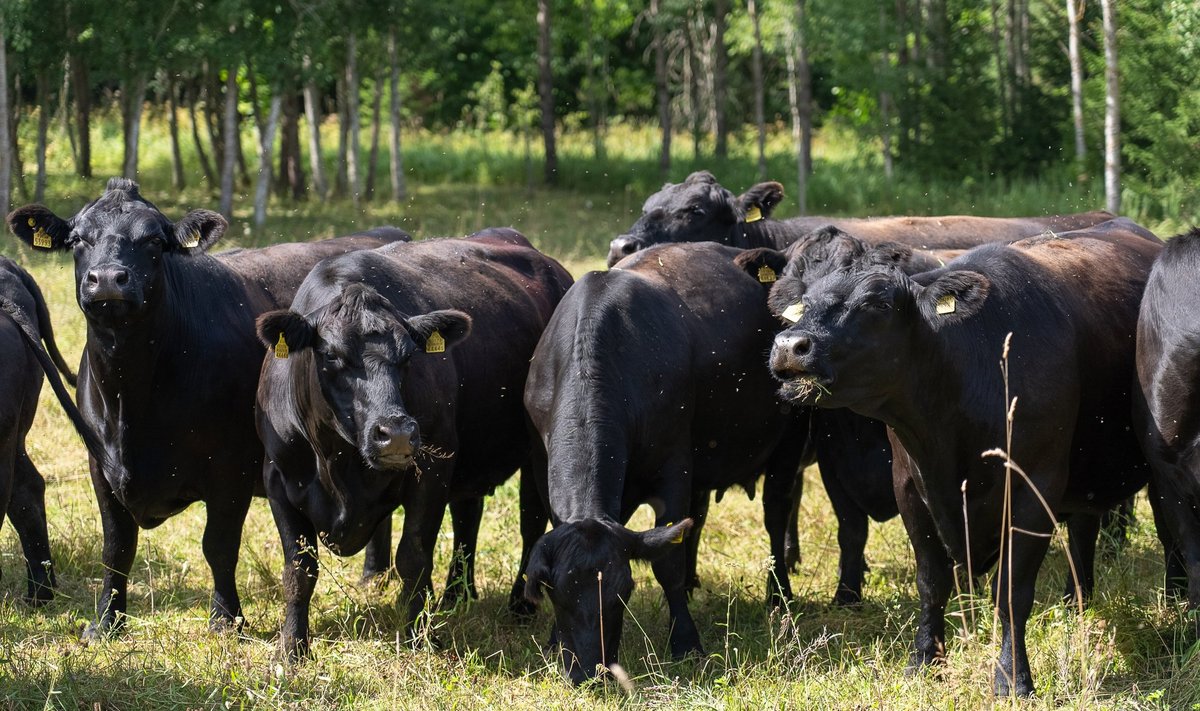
(878, 305)
(697, 210)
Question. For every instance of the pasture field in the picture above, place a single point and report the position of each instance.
(1129, 650)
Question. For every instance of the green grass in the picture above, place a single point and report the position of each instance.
(1128, 650)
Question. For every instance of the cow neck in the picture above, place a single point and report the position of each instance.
(594, 485)
(762, 233)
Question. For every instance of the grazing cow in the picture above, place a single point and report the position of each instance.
(170, 369)
(23, 328)
(1166, 405)
(382, 399)
(700, 210)
(921, 354)
(648, 387)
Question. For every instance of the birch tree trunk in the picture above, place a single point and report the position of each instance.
(209, 176)
(133, 125)
(83, 113)
(661, 90)
(1112, 111)
(313, 118)
(885, 98)
(546, 91)
(5, 155)
(229, 129)
(177, 177)
(64, 113)
(756, 66)
(397, 162)
(800, 96)
(262, 188)
(43, 128)
(339, 176)
(353, 178)
(720, 79)
(1076, 85)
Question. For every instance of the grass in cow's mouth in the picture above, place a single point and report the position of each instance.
(801, 389)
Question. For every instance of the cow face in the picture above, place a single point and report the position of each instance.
(119, 242)
(360, 348)
(856, 330)
(584, 568)
(697, 210)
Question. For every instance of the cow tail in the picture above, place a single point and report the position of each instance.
(90, 440)
(46, 329)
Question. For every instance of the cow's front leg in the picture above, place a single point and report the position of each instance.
(465, 517)
(781, 491)
(299, 539)
(533, 524)
(1013, 596)
(670, 568)
(423, 513)
(935, 571)
(699, 515)
(1083, 530)
(27, 511)
(222, 540)
(120, 546)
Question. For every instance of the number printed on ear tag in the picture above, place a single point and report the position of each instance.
(794, 312)
(946, 304)
(436, 343)
(281, 348)
(766, 275)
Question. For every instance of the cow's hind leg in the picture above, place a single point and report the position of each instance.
(533, 524)
(378, 559)
(222, 539)
(465, 517)
(700, 504)
(1083, 529)
(27, 510)
(120, 546)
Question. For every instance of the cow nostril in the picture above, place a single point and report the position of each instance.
(122, 277)
(628, 248)
(382, 434)
(93, 278)
(801, 345)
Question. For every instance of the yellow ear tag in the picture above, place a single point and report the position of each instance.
(435, 343)
(41, 238)
(946, 304)
(678, 537)
(794, 312)
(281, 348)
(766, 275)
(754, 214)
(192, 240)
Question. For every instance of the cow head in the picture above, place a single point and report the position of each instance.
(359, 348)
(697, 210)
(855, 330)
(119, 242)
(584, 568)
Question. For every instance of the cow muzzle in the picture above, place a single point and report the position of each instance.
(622, 247)
(108, 292)
(792, 362)
(393, 442)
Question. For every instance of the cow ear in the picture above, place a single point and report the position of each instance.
(199, 230)
(655, 543)
(36, 225)
(537, 573)
(889, 254)
(451, 325)
(953, 297)
(762, 263)
(285, 331)
(764, 196)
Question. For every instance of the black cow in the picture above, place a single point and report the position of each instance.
(383, 400)
(170, 370)
(700, 210)
(921, 354)
(1166, 405)
(23, 328)
(648, 387)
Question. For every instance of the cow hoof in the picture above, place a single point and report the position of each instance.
(846, 597)
(521, 609)
(101, 630)
(922, 662)
(39, 596)
(686, 648)
(222, 623)
(1023, 686)
(373, 578)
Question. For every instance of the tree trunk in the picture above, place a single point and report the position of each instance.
(312, 110)
(1002, 78)
(229, 157)
(291, 180)
(5, 156)
(694, 72)
(191, 99)
(1112, 111)
(243, 169)
(83, 112)
(133, 124)
(661, 89)
(43, 102)
(353, 174)
(397, 163)
(720, 69)
(546, 91)
(262, 188)
(756, 66)
(177, 178)
(64, 112)
(339, 180)
(904, 105)
(800, 96)
(17, 167)
(376, 122)
(885, 98)
(1076, 86)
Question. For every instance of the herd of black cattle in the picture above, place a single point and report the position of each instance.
(721, 346)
